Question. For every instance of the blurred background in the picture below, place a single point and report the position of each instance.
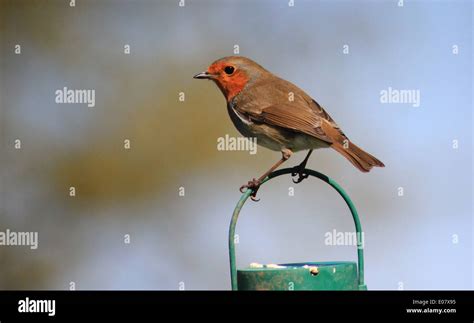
(420, 240)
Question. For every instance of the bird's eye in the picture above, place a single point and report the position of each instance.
(229, 70)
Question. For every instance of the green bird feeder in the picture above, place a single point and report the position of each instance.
(334, 275)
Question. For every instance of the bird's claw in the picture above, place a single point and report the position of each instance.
(253, 185)
(301, 175)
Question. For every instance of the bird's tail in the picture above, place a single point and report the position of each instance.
(358, 157)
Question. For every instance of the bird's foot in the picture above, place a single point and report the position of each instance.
(299, 170)
(253, 185)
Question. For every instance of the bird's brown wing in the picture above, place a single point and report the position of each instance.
(319, 110)
(298, 118)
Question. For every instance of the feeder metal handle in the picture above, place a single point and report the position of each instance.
(324, 178)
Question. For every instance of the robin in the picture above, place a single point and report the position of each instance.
(280, 115)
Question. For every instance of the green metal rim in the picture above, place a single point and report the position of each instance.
(337, 187)
(291, 266)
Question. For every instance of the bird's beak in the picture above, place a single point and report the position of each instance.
(203, 75)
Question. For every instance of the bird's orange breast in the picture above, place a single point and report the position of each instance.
(236, 86)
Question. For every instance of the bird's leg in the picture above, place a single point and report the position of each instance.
(299, 170)
(254, 184)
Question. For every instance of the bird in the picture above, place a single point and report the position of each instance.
(280, 115)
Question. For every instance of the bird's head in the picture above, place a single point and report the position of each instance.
(232, 74)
